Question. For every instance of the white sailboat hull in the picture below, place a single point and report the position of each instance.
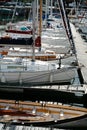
(62, 75)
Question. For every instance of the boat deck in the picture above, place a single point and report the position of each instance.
(12, 111)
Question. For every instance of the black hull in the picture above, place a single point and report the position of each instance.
(40, 94)
(9, 41)
(16, 42)
(73, 123)
(35, 83)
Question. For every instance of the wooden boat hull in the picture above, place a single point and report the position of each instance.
(73, 117)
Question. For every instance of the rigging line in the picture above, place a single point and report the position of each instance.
(83, 16)
(62, 15)
(14, 11)
(66, 25)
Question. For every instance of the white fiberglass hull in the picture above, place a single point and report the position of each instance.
(58, 76)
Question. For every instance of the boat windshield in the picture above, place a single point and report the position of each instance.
(24, 28)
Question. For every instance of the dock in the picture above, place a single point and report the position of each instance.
(81, 49)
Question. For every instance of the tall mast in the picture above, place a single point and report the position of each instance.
(66, 25)
(51, 11)
(46, 10)
(40, 21)
(14, 11)
(33, 24)
(37, 11)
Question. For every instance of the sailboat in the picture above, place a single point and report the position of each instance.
(41, 114)
(42, 107)
(29, 72)
(30, 112)
(20, 35)
(19, 28)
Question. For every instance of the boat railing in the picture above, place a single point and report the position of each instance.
(71, 88)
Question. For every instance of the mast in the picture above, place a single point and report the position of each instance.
(51, 11)
(66, 25)
(46, 11)
(37, 11)
(40, 22)
(33, 24)
(14, 11)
